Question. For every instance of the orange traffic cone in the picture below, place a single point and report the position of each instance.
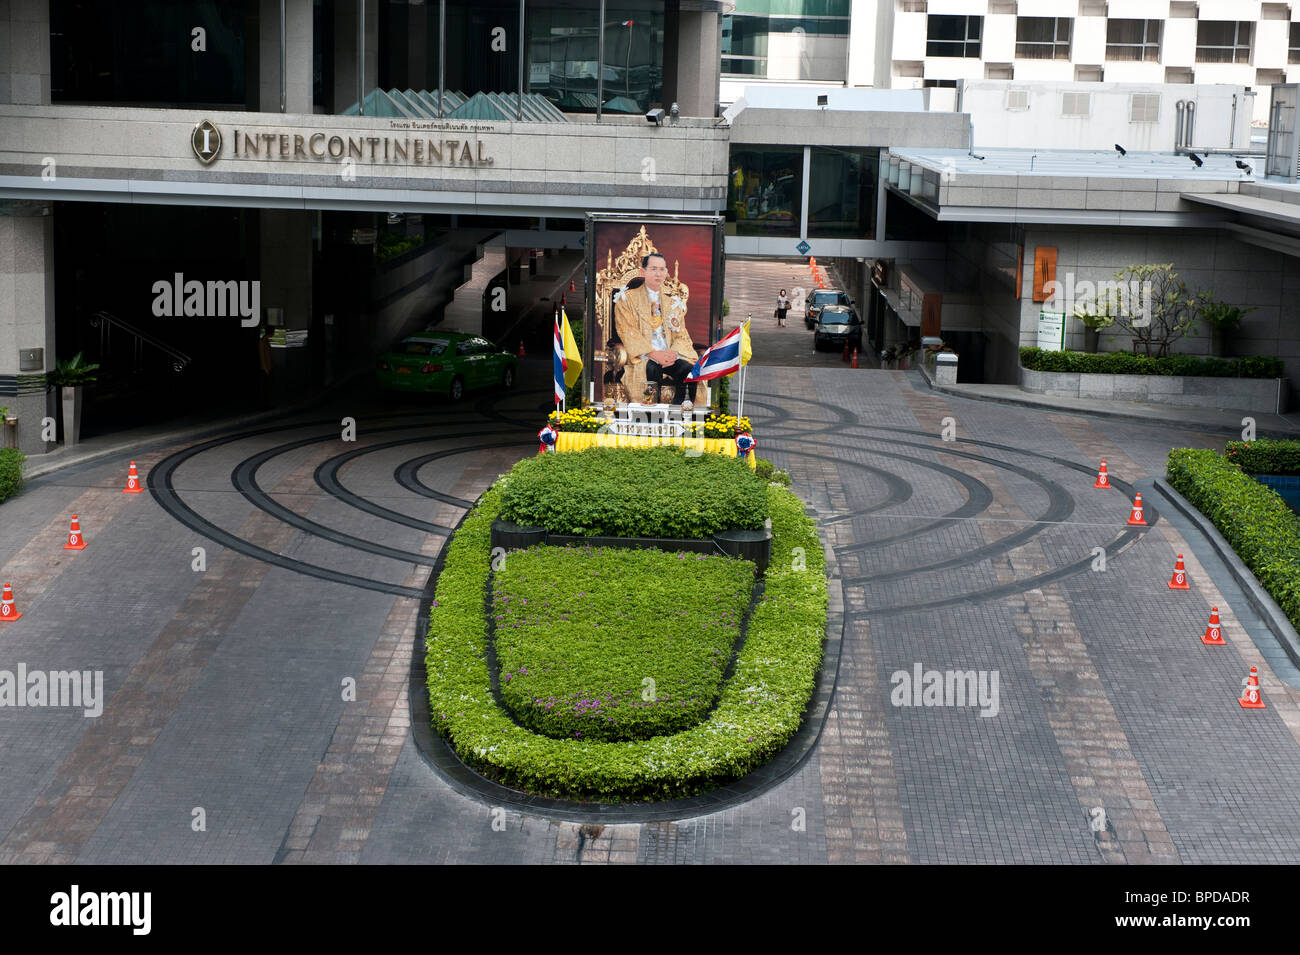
(1179, 580)
(521, 349)
(572, 288)
(1213, 632)
(1136, 516)
(8, 612)
(75, 540)
(132, 482)
(845, 356)
(854, 363)
(1250, 698)
(1103, 479)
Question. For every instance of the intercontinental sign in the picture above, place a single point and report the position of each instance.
(207, 141)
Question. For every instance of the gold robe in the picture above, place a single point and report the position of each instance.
(635, 323)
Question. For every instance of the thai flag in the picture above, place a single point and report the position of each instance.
(559, 363)
(720, 360)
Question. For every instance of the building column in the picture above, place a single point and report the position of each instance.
(286, 275)
(25, 52)
(693, 64)
(27, 317)
(297, 56)
(345, 51)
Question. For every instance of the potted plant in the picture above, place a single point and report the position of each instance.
(1094, 318)
(1223, 319)
(70, 375)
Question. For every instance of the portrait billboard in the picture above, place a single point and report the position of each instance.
(654, 302)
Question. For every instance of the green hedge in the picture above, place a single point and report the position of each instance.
(1265, 456)
(760, 709)
(575, 641)
(1253, 518)
(1123, 363)
(634, 492)
(11, 472)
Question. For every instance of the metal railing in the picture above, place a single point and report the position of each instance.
(106, 322)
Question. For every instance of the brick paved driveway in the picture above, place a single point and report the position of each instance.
(1116, 737)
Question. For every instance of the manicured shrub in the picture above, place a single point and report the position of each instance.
(1123, 363)
(634, 492)
(1265, 456)
(760, 708)
(768, 472)
(1253, 519)
(11, 472)
(580, 629)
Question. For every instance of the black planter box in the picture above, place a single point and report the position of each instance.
(750, 545)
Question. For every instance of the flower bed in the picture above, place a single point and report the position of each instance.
(1265, 456)
(1253, 519)
(629, 492)
(1123, 363)
(759, 710)
(576, 644)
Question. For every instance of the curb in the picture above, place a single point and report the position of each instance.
(438, 755)
(212, 428)
(1256, 595)
(1098, 412)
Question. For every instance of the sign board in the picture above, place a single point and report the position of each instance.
(1051, 331)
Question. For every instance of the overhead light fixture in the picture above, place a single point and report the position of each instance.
(1196, 159)
(655, 116)
(1121, 150)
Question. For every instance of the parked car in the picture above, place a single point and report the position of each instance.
(448, 363)
(838, 324)
(819, 299)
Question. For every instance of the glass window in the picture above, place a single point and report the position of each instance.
(1133, 40)
(842, 193)
(791, 40)
(482, 56)
(764, 190)
(953, 35)
(1293, 45)
(1043, 38)
(1223, 41)
(99, 54)
(408, 45)
(423, 348)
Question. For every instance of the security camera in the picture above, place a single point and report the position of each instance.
(1196, 159)
(1121, 150)
(655, 116)
(1244, 167)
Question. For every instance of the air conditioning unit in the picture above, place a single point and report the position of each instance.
(1283, 158)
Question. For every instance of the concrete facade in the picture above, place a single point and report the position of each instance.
(26, 314)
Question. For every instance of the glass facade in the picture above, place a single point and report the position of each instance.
(149, 58)
(842, 193)
(787, 39)
(764, 191)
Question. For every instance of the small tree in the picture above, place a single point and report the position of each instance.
(1155, 306)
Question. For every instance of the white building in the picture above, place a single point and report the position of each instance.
(934, 43)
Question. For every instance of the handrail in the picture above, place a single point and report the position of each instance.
(179, 359)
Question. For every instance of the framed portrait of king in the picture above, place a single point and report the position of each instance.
(654, 306)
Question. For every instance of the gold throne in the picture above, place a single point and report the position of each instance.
(623, 377)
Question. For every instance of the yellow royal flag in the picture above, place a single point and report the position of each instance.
(746, 349)
(572, 357)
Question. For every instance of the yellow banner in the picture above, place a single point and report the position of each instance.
(576, 441)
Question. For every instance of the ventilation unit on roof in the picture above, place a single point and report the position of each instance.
(1283, 151)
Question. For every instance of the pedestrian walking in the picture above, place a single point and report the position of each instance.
(782, 306)
(265, 365)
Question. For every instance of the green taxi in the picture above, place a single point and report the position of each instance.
(448, 363)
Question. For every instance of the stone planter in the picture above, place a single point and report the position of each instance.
(1261, 395)
(71, 395)
(751, 545)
